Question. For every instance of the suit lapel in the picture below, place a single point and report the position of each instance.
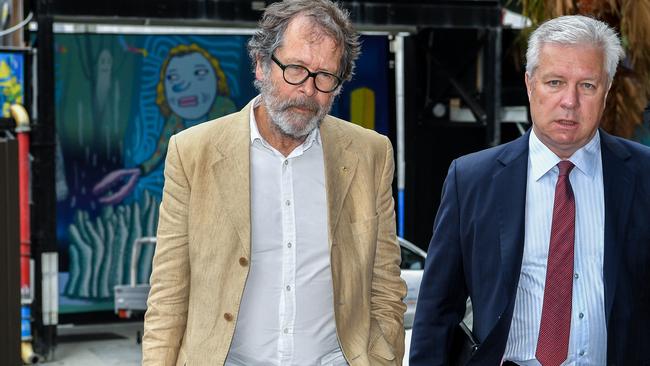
(230, 171)
(510, 192)
(508, 195)
(618, 184)
(340, 166)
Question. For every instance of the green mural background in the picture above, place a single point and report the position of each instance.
(118, 100)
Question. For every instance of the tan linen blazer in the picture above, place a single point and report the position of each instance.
(203, 252)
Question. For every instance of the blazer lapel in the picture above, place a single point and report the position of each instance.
(510, 194)
(230, 170)
(340, 166)
(618, 184)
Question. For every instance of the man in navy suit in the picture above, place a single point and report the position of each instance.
(549, 235)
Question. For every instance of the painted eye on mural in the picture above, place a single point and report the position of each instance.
(172, 77)
(201, 72)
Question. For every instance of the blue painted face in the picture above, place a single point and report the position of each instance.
(190, 86)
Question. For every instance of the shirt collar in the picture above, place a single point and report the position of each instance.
(312, 138)
(255, 132)
(543, 159)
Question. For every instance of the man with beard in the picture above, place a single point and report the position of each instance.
(276, 237)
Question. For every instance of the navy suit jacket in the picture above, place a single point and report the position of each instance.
(478, 243)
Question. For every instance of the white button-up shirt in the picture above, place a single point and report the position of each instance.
(286, 316)
(588, 340)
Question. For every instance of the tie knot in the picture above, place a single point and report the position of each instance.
(565, 167)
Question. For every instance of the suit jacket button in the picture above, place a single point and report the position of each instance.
(243, 261)
(228, 317)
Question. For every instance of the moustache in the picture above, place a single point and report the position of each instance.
(302, 103)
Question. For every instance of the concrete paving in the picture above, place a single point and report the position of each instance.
(112, 352)
(95, 351)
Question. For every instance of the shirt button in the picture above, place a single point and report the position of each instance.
(228, 317)
(288, 288)
(243, 261)
(576, 276)
(581, 315)
(286, 330)
(582, 353)
(289, 245)
(288, 203)
(286, 162)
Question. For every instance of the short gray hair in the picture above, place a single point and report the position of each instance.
(329, 17)
(576, 30)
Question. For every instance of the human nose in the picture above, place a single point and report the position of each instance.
(309, 86)
(570, 98)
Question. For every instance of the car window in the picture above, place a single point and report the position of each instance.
(411, 260)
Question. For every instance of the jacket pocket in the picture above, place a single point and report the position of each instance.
(378, 344)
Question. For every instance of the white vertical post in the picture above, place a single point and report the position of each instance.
(398, 49)
(50, 287)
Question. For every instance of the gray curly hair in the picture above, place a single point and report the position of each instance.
(329, 17)
(576, 30)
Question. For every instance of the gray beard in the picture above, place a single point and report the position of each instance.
(295, 125)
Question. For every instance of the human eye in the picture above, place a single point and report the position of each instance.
(295, 73)
(589, 86)
(326, 80)
(554, 83)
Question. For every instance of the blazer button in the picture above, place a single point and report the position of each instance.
(243, 261)
(228, 317)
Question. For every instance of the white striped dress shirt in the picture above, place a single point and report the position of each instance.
(588, 340)
(286, 316)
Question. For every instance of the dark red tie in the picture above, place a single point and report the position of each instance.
(555, 327)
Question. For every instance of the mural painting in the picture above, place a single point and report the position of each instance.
(12, 65)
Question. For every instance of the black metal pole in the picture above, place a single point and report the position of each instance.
(43, 218)
(9, 253)
(492, 85)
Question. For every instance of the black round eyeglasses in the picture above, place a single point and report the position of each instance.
(297, 74)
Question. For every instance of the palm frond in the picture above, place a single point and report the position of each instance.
(624, 108)
(635, 25)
